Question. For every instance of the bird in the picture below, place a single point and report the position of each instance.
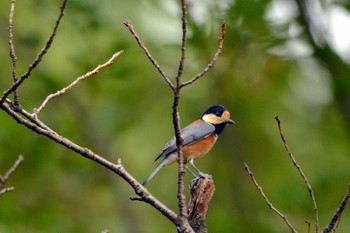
(198, 139)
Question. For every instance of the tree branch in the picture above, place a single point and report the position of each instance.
(129, 25)
(307, 183)
(32, 122)
(176, 121)
(337, 215)
(87, 153)
(4, 179)
(38, 59)
(12, 50)
(75, 82)
(213, 61)
(246, 167)
(201, 194)
(6, 190)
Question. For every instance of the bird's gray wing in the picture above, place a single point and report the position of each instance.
(190, 135)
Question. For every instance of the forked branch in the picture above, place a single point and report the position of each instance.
(176, 88)
(4, 179)
(75, 82)
(213, 61)
(39, 57)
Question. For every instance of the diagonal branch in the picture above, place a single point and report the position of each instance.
(85, 76)
(130, 26)
(4, 179)
(307, 183)
(6, 190)
(337, 215)
(213, 61)
(18, 162)
(87, 153)
(12, 50)
(38, 59)
(251, 174)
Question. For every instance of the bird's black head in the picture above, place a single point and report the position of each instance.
(217, 114)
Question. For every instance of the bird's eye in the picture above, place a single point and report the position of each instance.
(218, 114)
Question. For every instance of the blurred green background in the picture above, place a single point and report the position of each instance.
(270, 66)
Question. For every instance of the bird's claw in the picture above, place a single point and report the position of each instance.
(201, 175)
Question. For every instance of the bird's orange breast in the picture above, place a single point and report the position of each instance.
(200, 148)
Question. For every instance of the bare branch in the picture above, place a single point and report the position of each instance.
(213, 61)
(6, 190)
(87, 153)
(12, 50)
(308, 225)
(129, 25)
(337, 215)
(85, 76)
(246, 167)
(184, 39)
(307, 183)
(3, 179)
(176, 122)
(38, 59)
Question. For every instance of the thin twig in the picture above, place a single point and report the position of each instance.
(3, 179)
(307, 183)
(130, 26)
(38, 59)
(12, 50)
(183, 45)
(246, 167)
(213, 61)
(70, 86)
(337, 215)
(6, 190)
(308, 225)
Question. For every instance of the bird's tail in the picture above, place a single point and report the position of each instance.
(155, 170)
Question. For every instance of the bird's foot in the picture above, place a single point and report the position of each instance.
(200, 176)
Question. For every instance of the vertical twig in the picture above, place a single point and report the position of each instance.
(184, 42)
(337, 215)
(39, 57)
(270, 205)
(176, 120)
(307, 183)
(308, 225)
(12, 51)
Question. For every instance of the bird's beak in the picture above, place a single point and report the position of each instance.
(230, 121)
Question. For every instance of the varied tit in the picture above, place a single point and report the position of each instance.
(198, 138)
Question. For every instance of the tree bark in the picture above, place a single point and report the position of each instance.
(201, 193)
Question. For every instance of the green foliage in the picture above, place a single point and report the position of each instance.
(125, 112)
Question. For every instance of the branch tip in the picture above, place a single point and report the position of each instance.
(119, 161)
(222, 35)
